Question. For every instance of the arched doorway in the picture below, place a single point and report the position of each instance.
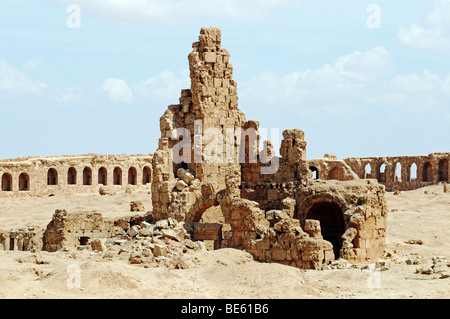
(87, 176)
(443, 170)
(52, 177)
(102, 176)
(381, 173)
(332, 225)
(24, 181)
(132, 176)
(6, 182)
(117, 176)
(427, 173)
(367, 171)
(72, 176)
(146, 175)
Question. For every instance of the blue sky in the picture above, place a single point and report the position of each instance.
(356, 89)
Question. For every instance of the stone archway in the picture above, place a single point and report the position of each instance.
(87, 176)
(24, 182)
(6, 182)
(331, 218)
(52, 177)
(443, 170)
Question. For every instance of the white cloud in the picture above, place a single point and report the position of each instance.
(32, 64)
(347, 78)
(118, 90)
(413, 82)
(16, 81)
(356, 84)
(415, 92)
(366, 65)
(434, 31)
(164, 86)
(175, 11)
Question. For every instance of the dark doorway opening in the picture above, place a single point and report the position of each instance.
(443, 170)
(146, 175)
(6, 182)
(117, 176)
(331, 221)
(23, 182)
(72, 176)
(102, 176)
(52, 177)
(84, 241)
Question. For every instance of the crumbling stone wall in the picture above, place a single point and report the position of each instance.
(395, 172)
(414, 171)
(22, 239)
(330, 168)
(207, 111)
(70, 230)
(37, 176)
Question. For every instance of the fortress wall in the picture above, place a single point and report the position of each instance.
(37, 176)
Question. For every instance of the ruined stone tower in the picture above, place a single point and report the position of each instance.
(201, 133)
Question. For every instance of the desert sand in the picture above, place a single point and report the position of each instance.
(421, 215)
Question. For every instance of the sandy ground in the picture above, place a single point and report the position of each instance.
(422, 214)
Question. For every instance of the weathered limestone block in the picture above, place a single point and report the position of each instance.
(185, 175)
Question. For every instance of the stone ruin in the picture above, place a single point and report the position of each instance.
(271, 206)
(212, 186)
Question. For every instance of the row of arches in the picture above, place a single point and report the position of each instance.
(23, 183)
(102, 176)
(53, 177)
(411, 172)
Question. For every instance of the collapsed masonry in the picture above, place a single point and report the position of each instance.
(278, 215)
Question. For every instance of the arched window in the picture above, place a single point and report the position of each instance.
(367, 171)
(102, 176)
(413, 172)
(24, 182)
(117, 176)
(87, 176)
(146, 175)
(52, 177)
(6, 182)
(72, 176)
(315, 172)
(132, 176)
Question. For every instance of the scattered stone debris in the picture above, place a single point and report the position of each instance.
(439, 265)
